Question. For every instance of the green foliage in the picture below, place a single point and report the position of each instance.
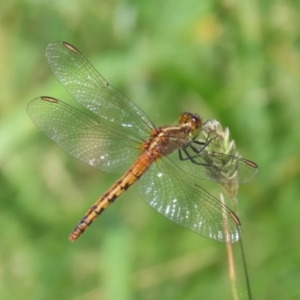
(234, 61)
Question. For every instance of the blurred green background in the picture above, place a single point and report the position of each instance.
(235, 61)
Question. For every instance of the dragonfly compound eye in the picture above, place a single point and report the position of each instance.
(193, 121)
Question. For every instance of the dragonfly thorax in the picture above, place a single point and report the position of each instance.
(166, 139)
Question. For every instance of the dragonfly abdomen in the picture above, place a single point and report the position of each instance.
(139, 167)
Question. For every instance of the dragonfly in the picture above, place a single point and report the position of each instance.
(165, 162)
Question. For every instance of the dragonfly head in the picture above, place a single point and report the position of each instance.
(192, 123)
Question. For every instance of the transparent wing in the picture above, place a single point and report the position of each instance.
(99, 146)
(174, 194)
(215, 166)
(91, 90)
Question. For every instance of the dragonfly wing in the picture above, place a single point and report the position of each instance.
(173, 193)
(91, 90)
(215, 166)
(83, 137)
